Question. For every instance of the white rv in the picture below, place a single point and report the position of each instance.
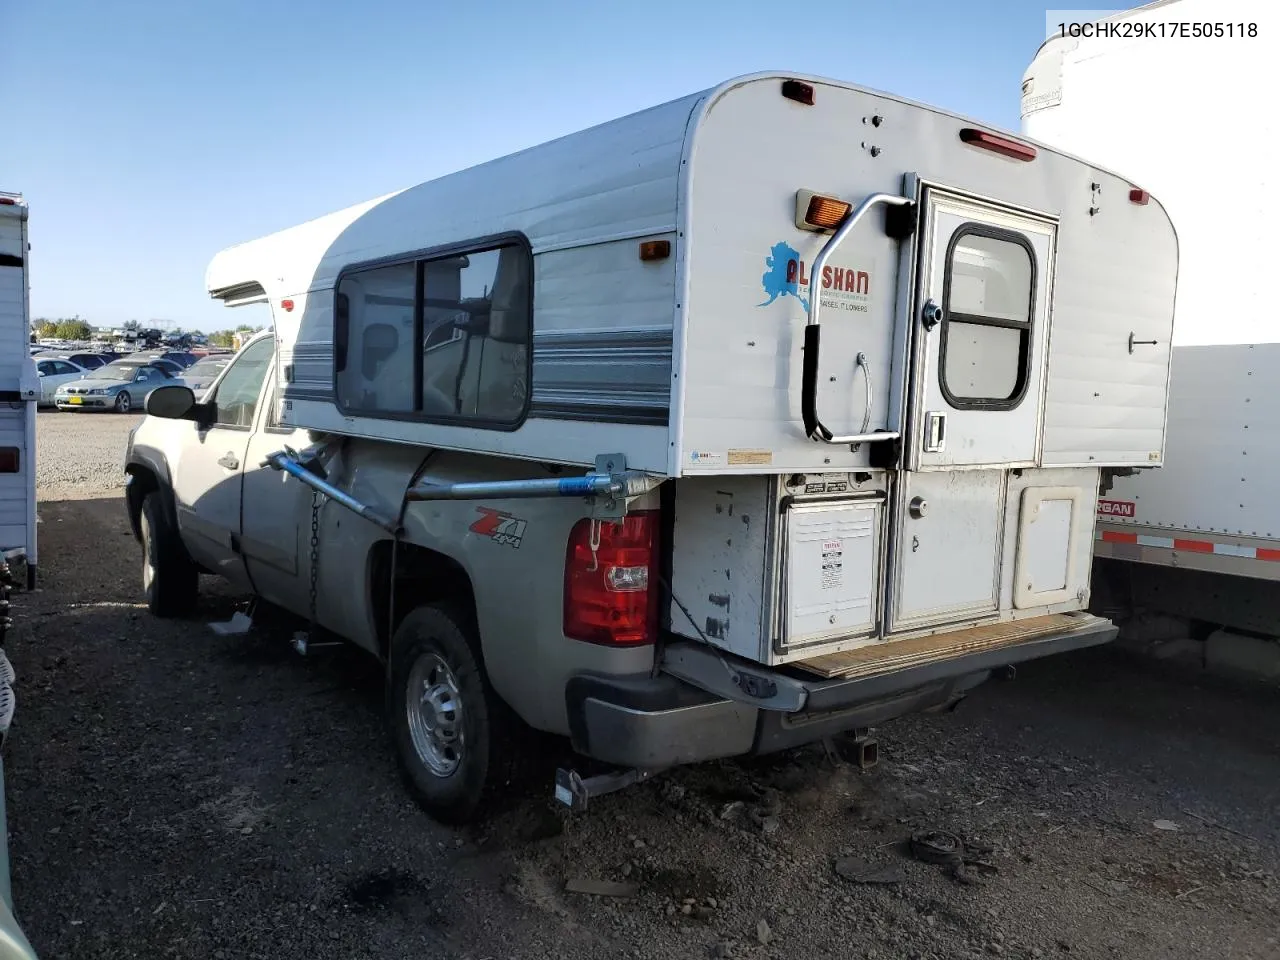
(766, 414)
(1199, 539)
(19, 392)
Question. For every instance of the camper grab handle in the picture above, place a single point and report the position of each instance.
(813, 426)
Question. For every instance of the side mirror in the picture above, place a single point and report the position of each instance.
(172, 403)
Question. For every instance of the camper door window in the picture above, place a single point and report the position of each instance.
(444, 338)
(988, 297)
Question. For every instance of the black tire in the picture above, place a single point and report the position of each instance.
(124, 402)
(491, 734)
(169, 578)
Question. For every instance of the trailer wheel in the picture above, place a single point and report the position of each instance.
(455, 740)
(169, 578)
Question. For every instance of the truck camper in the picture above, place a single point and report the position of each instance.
(750, 420)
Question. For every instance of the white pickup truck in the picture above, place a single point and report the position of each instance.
(675, 439)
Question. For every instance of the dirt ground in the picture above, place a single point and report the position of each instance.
(173, 793)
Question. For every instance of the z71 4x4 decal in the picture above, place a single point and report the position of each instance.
(499, 527)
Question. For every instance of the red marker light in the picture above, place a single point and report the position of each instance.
(8, 202)
(655, 250)
(1140, 197)
(288, 305)
(1004, 146)
(798, 91)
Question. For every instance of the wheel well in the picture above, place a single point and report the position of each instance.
(423, 576)
(143, 481)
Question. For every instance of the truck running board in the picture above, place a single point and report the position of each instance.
(914, 651)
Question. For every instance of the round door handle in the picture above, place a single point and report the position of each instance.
(918, 507)
(931, 314)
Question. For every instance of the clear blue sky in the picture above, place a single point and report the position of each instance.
(148, 135)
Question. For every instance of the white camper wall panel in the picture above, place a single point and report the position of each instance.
(15, 488)
(749, 284)
(1224, 447)
(1114, 280)
(17, 375)
(720, 554)
(13, 304)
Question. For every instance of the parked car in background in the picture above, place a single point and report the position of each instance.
(180, 358)
(201, 374)
(88, 360)
(169, 366)
(120, 386)
(54, 372)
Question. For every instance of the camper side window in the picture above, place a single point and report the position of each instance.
(988, 300)
(446, 338)
(374, 336)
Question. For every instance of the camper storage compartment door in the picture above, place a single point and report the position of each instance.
(831, 571)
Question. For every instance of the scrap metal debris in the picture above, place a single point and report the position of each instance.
(967, 860)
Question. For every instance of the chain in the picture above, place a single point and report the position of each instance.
(315, 552)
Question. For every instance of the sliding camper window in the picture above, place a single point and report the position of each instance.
(988, 299)
(443, 338)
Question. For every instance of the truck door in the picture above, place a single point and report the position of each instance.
(207, 476)
(977, 381)
(276, 513)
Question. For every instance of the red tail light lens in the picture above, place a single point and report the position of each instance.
(611, 591)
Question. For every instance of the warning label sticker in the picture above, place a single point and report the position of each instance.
(832, 564)
(762, 458)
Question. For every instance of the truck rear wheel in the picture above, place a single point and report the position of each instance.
(454, 737)
(169, 578)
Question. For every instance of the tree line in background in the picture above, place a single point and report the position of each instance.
(44, 328)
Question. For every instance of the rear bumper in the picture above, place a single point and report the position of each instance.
(662, 721)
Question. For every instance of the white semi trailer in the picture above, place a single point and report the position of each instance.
(1169, 93)
(19, 391)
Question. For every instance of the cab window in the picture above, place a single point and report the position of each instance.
(236, 398)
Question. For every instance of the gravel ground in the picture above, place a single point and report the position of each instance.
(80, 455)
(173, 793)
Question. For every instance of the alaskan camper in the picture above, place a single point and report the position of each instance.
(1198, 541)
(19, 393)
(749, 420)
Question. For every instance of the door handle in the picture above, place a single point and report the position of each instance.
(229, 461)
(935, 432)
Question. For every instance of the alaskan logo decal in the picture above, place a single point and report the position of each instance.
(786, 275)
(499, 527)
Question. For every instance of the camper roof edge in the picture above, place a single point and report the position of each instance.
(264, 260)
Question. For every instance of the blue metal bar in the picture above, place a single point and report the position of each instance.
(282, 461)
(592, 485)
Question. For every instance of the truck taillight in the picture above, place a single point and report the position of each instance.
(610, 587)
